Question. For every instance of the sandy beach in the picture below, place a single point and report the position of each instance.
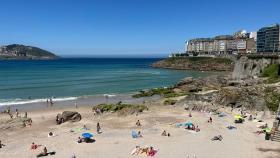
(115, 141)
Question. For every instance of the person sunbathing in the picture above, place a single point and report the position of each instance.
(34, 146)
(136, 150)
(219, 137)
(44, 153)
(197, 129)
(51, 134)
(139, 134)
(193, 128)
(138, 123)
(151, 151)
(164, 133)
(144, 150)
(80, 140)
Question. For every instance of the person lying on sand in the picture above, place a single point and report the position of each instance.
(139, 134)
(44, 153)
(80, 140)
(136, 150)
(164, 133)
(51, 134)
(219, 137)
(197, 129)
(151, 151)
(34, 146)
(138, 123)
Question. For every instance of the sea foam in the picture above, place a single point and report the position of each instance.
(29, 101)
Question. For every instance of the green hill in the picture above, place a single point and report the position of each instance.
(25, 52)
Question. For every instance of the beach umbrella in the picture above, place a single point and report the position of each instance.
(87, 135)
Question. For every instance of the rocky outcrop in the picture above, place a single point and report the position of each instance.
(250, 94)
(68, 116)
(252, 65)
(196, 63)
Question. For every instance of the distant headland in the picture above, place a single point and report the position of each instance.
(18, 51)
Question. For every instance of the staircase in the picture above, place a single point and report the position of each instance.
(276, 130)
(276, 136)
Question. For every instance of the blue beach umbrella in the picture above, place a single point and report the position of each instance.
(87, 135)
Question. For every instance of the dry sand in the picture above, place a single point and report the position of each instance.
(116, 140)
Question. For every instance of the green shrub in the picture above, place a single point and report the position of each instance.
(272, 73)
(165, 92)
(169, 102)
(120, 107)
(272, 98)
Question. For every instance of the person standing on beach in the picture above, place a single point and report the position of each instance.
(25, 114)
(98, 128)
(17, 113)
(76, 105)
(51, 102)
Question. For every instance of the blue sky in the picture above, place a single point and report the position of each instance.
(134, 28)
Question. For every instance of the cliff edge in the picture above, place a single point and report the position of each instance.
(196, 63)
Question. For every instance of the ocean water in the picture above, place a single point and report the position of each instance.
(24, 82)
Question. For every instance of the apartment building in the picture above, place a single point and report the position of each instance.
(268, 39)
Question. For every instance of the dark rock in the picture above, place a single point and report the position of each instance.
(68, 116)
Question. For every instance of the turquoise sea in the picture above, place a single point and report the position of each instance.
(68, 78)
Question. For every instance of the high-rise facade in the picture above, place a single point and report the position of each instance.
(268, 39)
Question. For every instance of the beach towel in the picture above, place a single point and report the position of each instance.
(134, 134)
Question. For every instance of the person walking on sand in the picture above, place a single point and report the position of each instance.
(51, 102)
(98, 128)
(25, 115)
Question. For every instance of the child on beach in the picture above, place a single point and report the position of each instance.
(138, 123)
